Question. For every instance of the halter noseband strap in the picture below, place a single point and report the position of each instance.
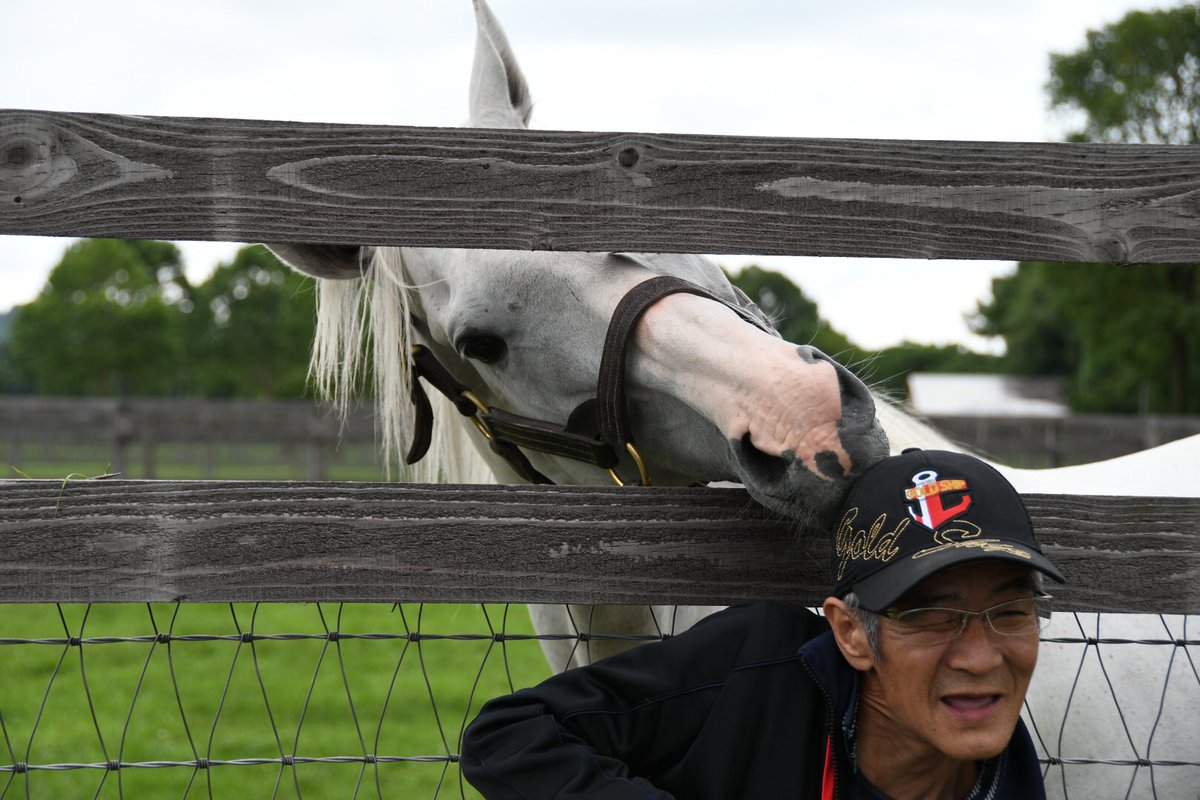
(613, 409)
(597, 431)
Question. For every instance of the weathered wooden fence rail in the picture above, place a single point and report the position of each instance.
(65, 174)
(153, 541)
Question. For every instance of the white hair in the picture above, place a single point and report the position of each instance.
(364, 326)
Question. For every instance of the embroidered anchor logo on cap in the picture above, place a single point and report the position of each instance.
(927, 491)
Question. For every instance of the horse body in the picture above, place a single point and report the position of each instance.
(711, 396)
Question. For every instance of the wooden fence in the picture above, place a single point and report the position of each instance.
(104, 175)
(1062, 441)
(129, 433)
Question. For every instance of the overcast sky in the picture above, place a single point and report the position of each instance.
(916, 69)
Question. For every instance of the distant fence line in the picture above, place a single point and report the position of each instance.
(1063, 441)
(132, 430)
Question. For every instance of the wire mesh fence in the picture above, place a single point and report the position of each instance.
(370, 700)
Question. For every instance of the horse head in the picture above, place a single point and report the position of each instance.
(712, 392)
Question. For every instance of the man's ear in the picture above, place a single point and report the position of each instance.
(849, 634)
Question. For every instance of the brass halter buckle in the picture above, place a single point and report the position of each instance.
(643, 473)
(480, 425)
(483, 428)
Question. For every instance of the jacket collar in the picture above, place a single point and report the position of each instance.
(837, 680)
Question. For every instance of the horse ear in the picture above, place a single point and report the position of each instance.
(499, 94)
(334, 261)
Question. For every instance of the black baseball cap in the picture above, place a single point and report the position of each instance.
(920, 512)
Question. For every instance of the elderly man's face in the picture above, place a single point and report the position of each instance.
(961, 697)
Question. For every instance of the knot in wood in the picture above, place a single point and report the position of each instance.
(628, 157)
(16, 155)
(30, 162)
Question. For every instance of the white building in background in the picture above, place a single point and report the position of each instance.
(964, 395)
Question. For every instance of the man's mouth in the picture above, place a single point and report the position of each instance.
(971, 707)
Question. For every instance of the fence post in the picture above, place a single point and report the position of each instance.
(1052, 437)
(149, 454)
(316, 465)
(122, 432)
(14, 452)
(1151, 435)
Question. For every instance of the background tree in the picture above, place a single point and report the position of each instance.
(118, 317)
(1128, 338)
(107, 322)
(253, 329)
(1137, 80)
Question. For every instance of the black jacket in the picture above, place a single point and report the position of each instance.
(729, 709)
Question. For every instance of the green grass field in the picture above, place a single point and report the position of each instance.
(225, 700)
(159, 702)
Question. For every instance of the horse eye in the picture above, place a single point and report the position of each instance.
(483, 347)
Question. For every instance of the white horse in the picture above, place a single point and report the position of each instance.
(711, 395)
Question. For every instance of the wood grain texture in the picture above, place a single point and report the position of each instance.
(142, 541)
(65, 174)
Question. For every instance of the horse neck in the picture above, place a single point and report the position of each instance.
(364, 327)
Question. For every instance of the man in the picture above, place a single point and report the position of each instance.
(910, 687)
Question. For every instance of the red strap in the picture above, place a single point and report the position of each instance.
(827, 776)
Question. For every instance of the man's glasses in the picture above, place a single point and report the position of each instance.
(1024, 616)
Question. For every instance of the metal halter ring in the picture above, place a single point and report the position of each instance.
(480, 425)
(643, 473)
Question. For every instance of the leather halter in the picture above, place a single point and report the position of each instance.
(597, 431)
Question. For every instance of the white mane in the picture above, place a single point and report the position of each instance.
(371, 314)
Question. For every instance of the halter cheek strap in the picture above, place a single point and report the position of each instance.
(596, 432)
(613, 409)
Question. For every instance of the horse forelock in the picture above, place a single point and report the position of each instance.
(364, 332)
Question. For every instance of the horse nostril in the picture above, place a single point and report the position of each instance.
(829, 465)
(765, 467)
